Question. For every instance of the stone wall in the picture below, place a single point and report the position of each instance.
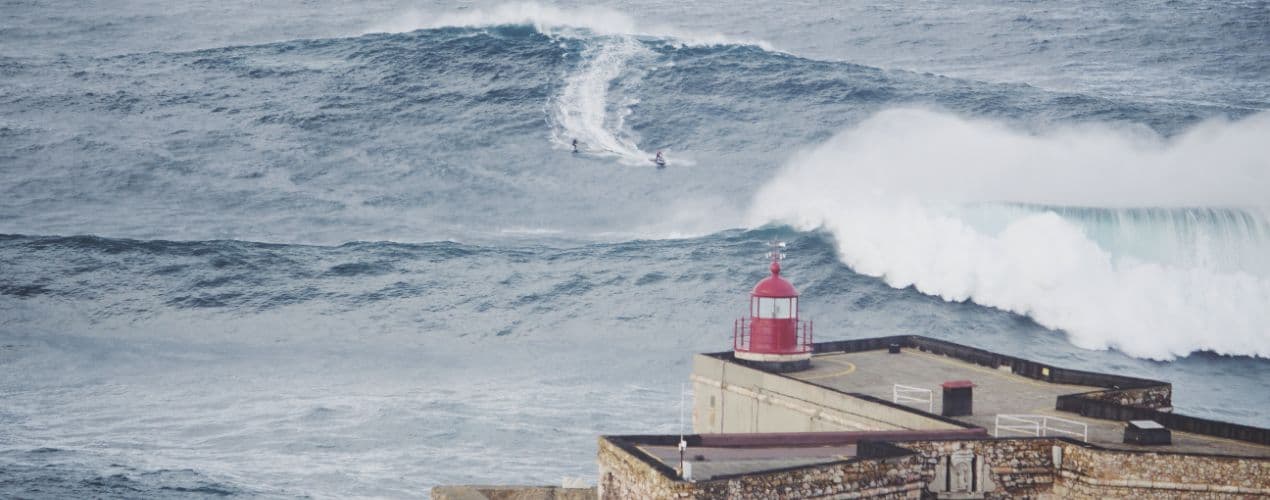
(893, 478)
(503, 492)
(623, 476)
(1004, 468)
(1086, 472)
(1158, 397)
(1014, 467)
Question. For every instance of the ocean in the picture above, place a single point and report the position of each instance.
(327, 250)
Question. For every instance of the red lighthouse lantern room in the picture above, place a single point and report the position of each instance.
(773, 337)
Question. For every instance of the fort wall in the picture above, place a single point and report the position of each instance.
(1004, 468)
(1090, 472)
(624, 475)
(997, 468)
(732, 398)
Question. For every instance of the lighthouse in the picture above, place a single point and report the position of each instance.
(773, 337)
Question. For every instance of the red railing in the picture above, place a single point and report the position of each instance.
(803, 336)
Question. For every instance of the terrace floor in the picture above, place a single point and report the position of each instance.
(996, 392)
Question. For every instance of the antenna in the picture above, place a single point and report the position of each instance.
(683, 444)
(683, 388)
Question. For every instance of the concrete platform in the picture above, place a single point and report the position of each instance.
(996, 391)
(710, 462)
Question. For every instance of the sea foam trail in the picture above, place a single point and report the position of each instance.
(973, 210)
(583, 110)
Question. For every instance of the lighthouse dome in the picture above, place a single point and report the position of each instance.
(774, 285)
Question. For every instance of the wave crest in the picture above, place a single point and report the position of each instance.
(930, 200)
(555, 20)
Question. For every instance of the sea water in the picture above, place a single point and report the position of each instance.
(331, 249)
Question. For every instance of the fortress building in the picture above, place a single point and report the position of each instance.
(780, 416)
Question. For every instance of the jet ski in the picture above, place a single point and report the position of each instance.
(659, 160)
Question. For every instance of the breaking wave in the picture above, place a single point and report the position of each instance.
(578, 21)
(457, 127)
(1121, 238)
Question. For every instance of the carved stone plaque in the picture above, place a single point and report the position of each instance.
(961, 471)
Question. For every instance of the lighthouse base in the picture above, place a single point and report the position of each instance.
(778, 363)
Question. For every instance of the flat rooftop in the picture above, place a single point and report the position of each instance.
(996, 392)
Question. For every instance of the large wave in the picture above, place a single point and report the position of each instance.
(1154, 246)
(614, 54)
(576, 21)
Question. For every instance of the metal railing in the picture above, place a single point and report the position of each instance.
(1040, 425)
(906, 394)
(803, 336)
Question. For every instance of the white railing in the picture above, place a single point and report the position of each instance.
(909, 394)
(1040, 425)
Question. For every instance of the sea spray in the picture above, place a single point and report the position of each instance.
(903, 194)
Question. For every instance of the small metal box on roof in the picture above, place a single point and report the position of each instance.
(1146, 432)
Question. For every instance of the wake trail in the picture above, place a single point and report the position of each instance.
(583, 112)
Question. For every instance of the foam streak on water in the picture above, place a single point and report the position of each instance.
(583, 112)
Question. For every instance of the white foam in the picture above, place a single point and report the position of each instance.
(899, 193)
(582, 110)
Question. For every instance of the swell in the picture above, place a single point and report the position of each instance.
(457, 133)
(451, 133)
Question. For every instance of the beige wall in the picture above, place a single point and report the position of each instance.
(733, 398)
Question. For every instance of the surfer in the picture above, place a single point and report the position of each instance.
(660, 160)
(575, 145)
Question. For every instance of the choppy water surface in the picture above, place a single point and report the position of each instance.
(345, 250)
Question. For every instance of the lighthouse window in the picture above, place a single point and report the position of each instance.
(776, 308)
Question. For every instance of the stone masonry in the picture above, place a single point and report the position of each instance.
(1004, 468)
(624, 476)
(1088, 472)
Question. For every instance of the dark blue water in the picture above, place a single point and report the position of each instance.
(272, 251)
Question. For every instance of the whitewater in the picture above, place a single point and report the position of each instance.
(1170, 234)
(346, 250)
